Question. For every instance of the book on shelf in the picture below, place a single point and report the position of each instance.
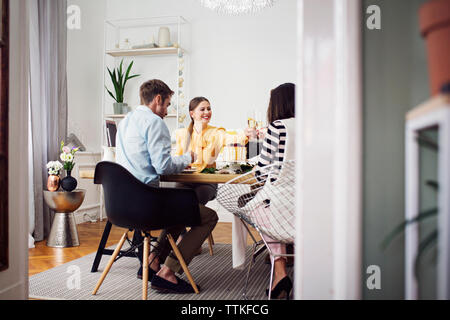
(111, 130)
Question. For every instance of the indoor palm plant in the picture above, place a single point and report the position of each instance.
(119, 79)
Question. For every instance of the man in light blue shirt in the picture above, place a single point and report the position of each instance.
(143, 147)
(143, 144)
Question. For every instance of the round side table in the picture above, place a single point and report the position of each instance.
(64, 232)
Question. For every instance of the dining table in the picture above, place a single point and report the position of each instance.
(194, 177)
(197, 177)
(239, 230)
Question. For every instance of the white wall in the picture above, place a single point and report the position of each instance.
(85, 73)
(14, 281)
(234, 61)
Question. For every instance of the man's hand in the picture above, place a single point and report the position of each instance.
(193, 157)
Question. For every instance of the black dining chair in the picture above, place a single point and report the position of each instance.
(133, 205)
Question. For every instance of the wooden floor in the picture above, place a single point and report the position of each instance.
(42, 258)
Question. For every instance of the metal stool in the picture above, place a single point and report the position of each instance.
(64, 232)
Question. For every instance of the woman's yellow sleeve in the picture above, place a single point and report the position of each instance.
(181, 140)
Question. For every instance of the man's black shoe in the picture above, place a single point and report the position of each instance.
(151, 273)
(163, 286)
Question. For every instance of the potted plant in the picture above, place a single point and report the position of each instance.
(430, 239)
(119, 79)
(53, 181)
(434, 19)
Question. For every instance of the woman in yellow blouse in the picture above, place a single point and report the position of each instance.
(206, 142)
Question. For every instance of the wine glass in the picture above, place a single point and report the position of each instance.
(252, 125)
(251, 122)
(261, 128)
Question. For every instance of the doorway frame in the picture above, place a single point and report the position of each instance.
(329, 150)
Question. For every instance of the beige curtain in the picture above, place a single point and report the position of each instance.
(48, 97)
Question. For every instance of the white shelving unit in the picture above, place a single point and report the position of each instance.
(140, 32)
(142, 52)
(433, 113)
(121, 116)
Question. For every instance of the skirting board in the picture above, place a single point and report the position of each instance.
(87, 213)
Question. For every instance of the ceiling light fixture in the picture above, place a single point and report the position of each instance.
(236, 7)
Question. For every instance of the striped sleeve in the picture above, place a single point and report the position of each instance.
(273, 146)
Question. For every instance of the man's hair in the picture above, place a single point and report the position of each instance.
(151, 88)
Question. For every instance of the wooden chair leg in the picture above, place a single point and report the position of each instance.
(210, 243)
(182, 262)
(145, 268)
(110, 262)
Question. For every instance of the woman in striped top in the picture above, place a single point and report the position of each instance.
(280, 116)
(273, 146)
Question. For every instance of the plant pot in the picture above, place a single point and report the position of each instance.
(120, 108)
(69, 183)
(434, 19)
(53, 182)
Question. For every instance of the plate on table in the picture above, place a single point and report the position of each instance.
(189, 170)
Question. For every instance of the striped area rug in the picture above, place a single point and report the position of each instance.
(215, 275)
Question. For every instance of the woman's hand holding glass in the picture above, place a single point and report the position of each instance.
(262, 133)
(252, 133)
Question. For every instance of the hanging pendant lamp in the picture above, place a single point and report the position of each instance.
(236, 7)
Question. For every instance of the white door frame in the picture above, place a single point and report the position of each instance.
(329, 150)
(14, 280)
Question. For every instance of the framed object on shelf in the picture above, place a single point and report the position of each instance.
(111, 130)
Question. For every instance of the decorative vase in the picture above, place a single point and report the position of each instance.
(53, 183)
(120, 108)
(163, 37)
(434, 19)
(69, 183)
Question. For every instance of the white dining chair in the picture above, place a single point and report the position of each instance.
(265, 200)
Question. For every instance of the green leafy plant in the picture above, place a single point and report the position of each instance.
(68, 156)
(119, 79)
(246, 168)
(426, 244)
(209, 170)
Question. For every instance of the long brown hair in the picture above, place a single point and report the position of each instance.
(192, 105)
(282, 103)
